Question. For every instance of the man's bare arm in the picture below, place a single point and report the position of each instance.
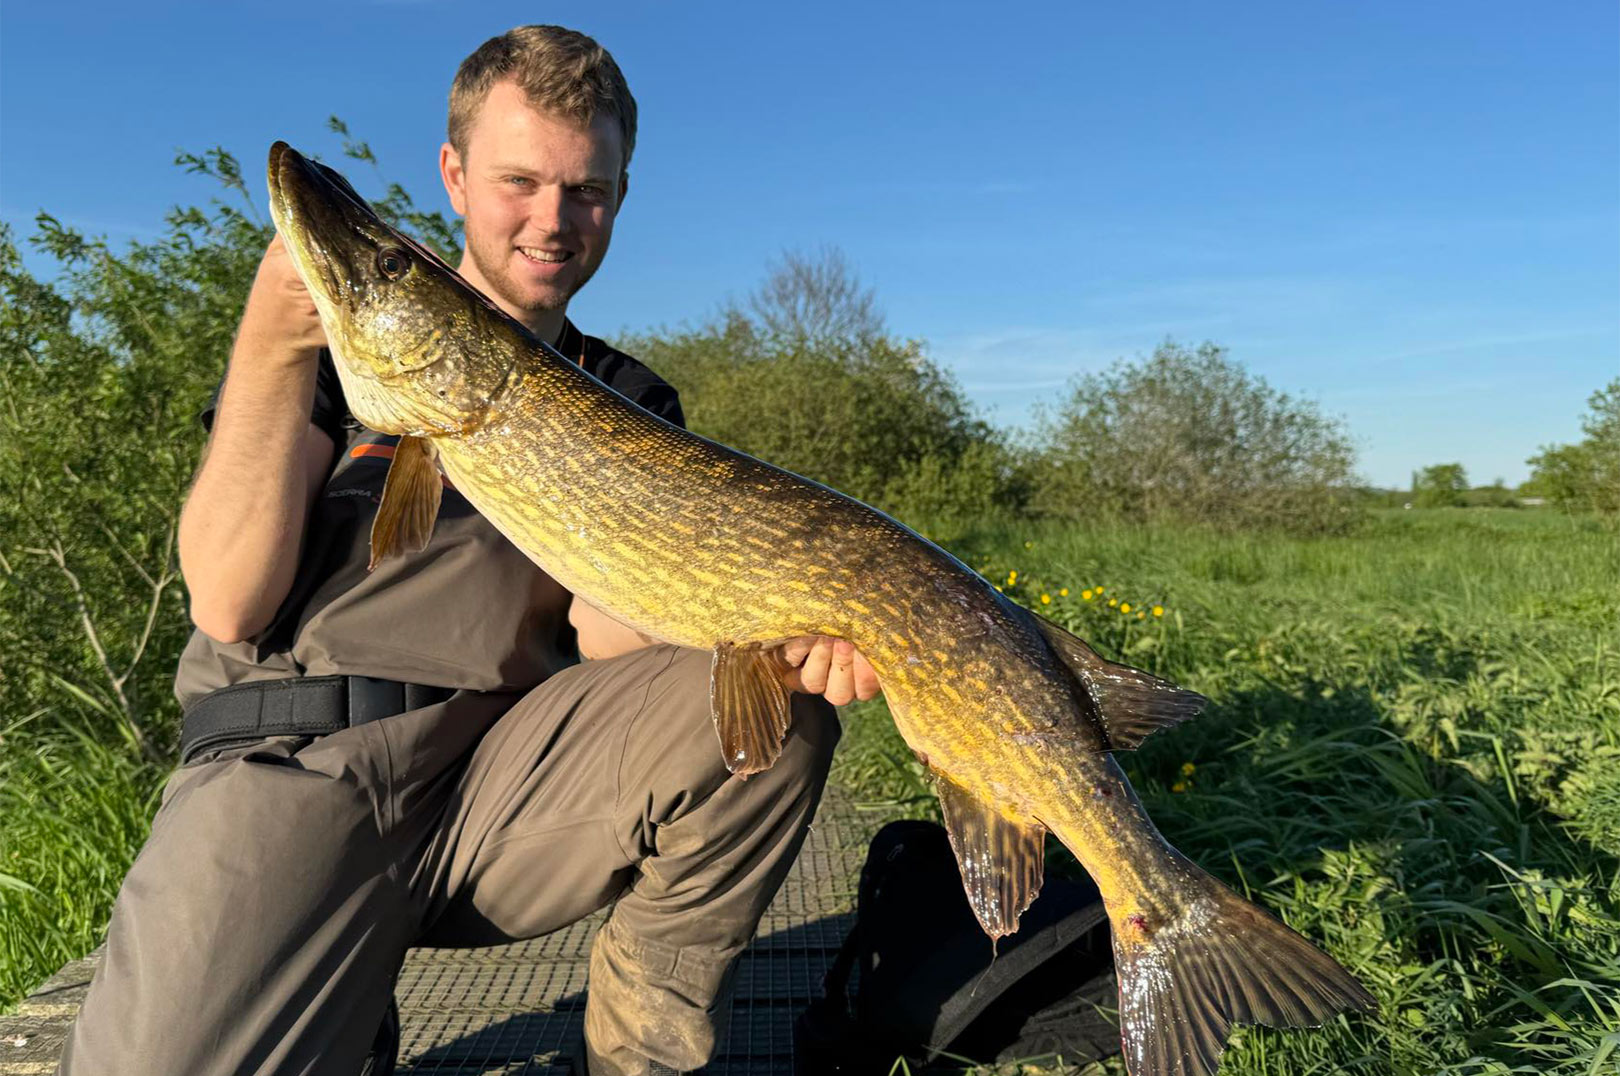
(600, 636)
(242, 526)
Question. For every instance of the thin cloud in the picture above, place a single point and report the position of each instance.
(1452, 347)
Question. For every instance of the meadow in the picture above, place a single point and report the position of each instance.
(1412, 754)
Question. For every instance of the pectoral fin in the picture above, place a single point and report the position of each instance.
(1002, 860)
(410, 501)
(750, 704)
(1133, 704)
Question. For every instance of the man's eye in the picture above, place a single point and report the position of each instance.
(519, 180)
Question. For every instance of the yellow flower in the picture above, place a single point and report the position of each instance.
(999, 590)
(1112, 602)
(1125, 608)
(1029, 545)
(1141, 616)
(1046, 599)
(1012, 577)
(1099, 590)
(1178, 787)
(1086, 594)
(1158, 610)
(1064, 593)
(1187, 769)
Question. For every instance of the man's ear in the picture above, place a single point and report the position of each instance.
(454, 176)
(624, 189)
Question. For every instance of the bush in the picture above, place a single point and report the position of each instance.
(1440, 486)
(1584, 476)
(1189, 435)
(104, 370)
(856, 409)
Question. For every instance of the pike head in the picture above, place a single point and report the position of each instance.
(418, 349)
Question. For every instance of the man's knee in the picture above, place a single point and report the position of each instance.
(680, 712)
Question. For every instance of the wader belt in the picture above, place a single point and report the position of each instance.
(299, 706)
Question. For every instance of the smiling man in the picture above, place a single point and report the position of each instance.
(375, 759)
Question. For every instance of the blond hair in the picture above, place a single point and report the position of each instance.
(558, 70)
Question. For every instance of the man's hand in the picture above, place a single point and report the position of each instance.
(833, 668)
(280, 322)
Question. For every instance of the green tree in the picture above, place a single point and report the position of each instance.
(803, 374)
(1191, 435)
(1440, 486)
(1586, 475)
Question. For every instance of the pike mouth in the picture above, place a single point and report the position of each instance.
(314, 264)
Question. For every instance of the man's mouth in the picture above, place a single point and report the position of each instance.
(545, 257)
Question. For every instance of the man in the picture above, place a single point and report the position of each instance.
(369, 763)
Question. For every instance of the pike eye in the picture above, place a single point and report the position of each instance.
(392, 262)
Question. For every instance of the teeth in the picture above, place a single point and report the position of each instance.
(550, 256)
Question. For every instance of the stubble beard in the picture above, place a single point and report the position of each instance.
(494, 269)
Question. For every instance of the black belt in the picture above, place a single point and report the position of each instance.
(300, 706)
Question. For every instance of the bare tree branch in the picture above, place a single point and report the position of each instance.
(58, 556)
(161, 585)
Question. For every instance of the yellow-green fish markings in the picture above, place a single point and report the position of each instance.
(694, 543)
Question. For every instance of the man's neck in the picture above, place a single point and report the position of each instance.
(546, 325)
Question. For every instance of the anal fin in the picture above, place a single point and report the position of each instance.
(410, 501)
(1133, 704)
(1002, 860)
(751, 705)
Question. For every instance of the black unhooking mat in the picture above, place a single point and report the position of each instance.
(928, 987)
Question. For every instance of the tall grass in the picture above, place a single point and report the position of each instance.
(73, 812)
(1412, 754)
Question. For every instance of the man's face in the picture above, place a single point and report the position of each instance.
(539, 193)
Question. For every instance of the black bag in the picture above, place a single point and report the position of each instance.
(927, 987)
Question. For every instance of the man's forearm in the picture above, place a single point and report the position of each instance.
(243, 521)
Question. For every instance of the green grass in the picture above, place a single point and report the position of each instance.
(73, 812)
(1412, 754)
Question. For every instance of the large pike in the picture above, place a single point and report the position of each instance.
(691, 542)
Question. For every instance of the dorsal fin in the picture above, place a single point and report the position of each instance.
(1133, 704)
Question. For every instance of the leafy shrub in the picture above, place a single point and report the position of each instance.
(806, 376)
(104, 371)
(1190, 435)
(1585, 475)
(1440, 486)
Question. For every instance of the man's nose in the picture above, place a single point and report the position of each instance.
(548, 210)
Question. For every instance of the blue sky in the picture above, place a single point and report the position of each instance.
(1409, 213)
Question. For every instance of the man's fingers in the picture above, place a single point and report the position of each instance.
(795, 650)
(822, 665)
(866, 679)
(817, 664)
(840, 688)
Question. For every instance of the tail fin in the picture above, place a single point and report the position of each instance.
(1183, 984)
